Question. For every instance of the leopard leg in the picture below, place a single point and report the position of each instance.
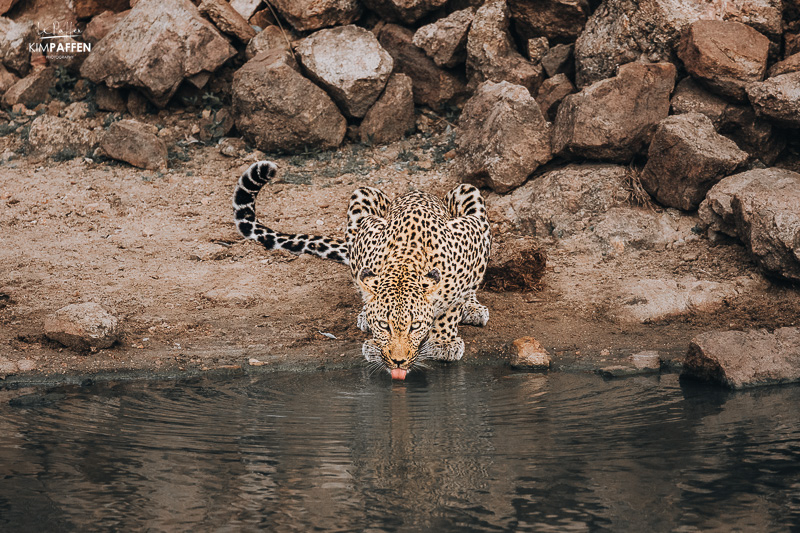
(365, 202)
(474, 313)
(443, 343)
(361, 321)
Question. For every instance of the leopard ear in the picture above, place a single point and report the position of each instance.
(431, 281)
(368, 281)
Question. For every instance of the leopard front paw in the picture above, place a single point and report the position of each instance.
(475, 315)
(452, 350)
(361, 321)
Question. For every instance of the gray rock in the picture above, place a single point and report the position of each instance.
(308, 15)
(445, 41)
(135, 143)
(552, 92)
(725, 56)
(742, 359)
(778, 99)
(392, 116)
(108, 99)
(83, 327)
(615, 119)
(50, 136)
(31, 90)
(554, 19)
(276, 108)
(686, 158)
(408, 11)
(491, 54)
(14, 40)
(433, 86)
(559, 59)
(502, 137)
(349, 63)
(155, 47)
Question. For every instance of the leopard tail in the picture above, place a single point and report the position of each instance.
(244, 200)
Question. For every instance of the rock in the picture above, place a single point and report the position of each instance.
(408, 11)
(622, 31)
(778, 99)
(615, 119)
(647, 360)
(790, 64)
(135, 143)
(527, 353)
(349, 63)
(517, 264)
(246, 8)
(155, 47)
(227, 19)
(552, 92)
(502, 137)
(5, 5)
(91, 9)
(738, 122)
(14, 40)
(625, 228)
(76, 111)
(137, 104)
(83, 327)
(32, 89)
(7, 79)
(554, 19)
(7, 368)
(491, 54)
(433, 86)
(741, 359)
(445, 41)
(686, 158)
(267, 39)
(392, 116)
(108, 99)
(101, 25)
(276, 108)
(760, 208)
(537, 48)
(725, 56)
(232, 146)
(558, 60)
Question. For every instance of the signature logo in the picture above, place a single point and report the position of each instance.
(50, 35)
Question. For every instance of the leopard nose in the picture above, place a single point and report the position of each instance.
(399, 362)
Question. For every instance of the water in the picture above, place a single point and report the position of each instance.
(453, 449)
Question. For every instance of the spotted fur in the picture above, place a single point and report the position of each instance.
(416, 261)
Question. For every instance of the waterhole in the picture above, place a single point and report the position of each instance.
(449, 449)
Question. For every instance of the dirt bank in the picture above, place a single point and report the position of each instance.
(160, 251)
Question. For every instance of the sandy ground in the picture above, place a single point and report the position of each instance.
(159, 249)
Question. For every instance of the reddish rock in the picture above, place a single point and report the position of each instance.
(155, 47)
(445, 41)
(349, 63)
(267, 39)
(277, 108)
(408, 11)
(307, 15)
(84, 326)
(686, 158)
(89, 9)
(392, 116)
(32, 89)
(724, 55)
(777, 99)
(615, 119)
(7, 79)
(14, 40)
(554, 19)
(552, 92)
(5, 5)
(491, 54)
(100, 25)
(528, 353)
(790, 64)
(227, 19)
(502, 137)
(741, 359)
(433, 86)
(135, 143)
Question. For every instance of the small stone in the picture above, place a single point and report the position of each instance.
(647, 360)
(309, 15)
(227, 19)
(552, 92)
(408, 11)
(558, 59)
(32, 89)
(553, 19)
(537, 48)
(136, 144)
(527, 353)
(14, 40)
(232, 146)
(76, 111)
(83, 327)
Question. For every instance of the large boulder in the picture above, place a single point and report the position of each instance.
(778, 99)
(615, 119)
(135, 143)
(59, 137)
(433, 86)
(308, 15)
(725, 56)
(760, 208)
(392, 116)
(621, 31)
(155, 47)
(554, 19)
(445, 41)
(491, 54)
(14, 40)
(408, 11)
(349, 63)
(686, 158)
(502, 137)
(741, 359)
(277, 109)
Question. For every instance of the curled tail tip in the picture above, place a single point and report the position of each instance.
(250, 183)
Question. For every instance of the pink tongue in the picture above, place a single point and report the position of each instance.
(399, 373)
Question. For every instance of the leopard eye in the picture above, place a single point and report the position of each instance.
(415, 326)
(383, 325)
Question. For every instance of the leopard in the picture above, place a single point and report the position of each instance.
(416, 262)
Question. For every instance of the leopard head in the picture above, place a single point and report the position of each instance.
(399, 313)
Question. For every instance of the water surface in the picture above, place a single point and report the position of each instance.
(451, 449)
